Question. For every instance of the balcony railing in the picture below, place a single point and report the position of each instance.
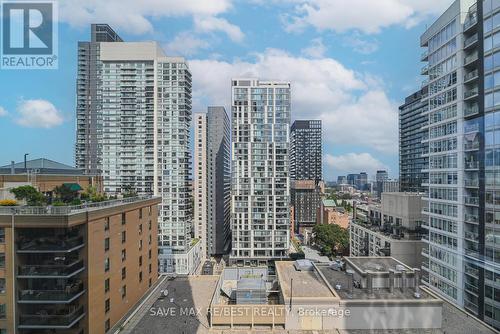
(471, 75)
(51, 296)
(470, 59)
(470, 21)
(472, 110)
(65, 210)
(49, 244)
(470, 41)
(471, 183)
(471, 218)
(65, 319)
(425, 70)
(470, 93)
(424, 56)
(471, 200)
(51, 270)
(471, 164)
(470, 146)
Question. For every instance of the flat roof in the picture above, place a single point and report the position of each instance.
(183, 310)
(306, 284)
(363, 264)
(334, 278)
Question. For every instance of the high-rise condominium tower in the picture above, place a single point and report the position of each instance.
(463, 257)
(306, 150)
(412, 145)
(212, 181)
(260, 217)
(135, 113)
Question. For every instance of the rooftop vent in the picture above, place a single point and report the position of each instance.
(303, 265)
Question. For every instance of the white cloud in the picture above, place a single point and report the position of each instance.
(134, 16)
(353, 163)
(353, 106)
(38, 114)
(186, 44)
(368, 16)
(3, 112)
(361, 45)
(316, 50)
(212, 23)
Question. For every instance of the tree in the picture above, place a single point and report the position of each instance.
(129, 191)
(29, 193)
(331, 238)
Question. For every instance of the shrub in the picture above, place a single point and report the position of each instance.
(8, 202)
(30, 194)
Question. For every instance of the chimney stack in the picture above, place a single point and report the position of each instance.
(369, 282)
(417, 280)
(403, 280)
(392, 274)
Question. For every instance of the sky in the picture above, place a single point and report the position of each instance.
(351, 63)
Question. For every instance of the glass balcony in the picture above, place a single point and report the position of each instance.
(471, 145)
(470, 21)
(61, 318)
(471, 218)
(471, 200)
(471, 165)
(471, 93)
(471, 41)
(50, 245)
(424, 56)
(471, 183)
(68, 295)
(425, 70)
(471, 75)
(470, 59)
(51, 270)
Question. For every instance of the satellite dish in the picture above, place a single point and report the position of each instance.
(165, 292)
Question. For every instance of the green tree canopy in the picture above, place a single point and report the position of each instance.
(29, 194)
(331, 238)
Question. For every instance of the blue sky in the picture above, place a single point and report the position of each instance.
(351, 63)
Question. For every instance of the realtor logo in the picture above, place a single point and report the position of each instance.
(29, 35)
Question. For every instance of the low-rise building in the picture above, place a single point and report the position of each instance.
(44, 175)
(330, 213)
(390, 229)
(76, 269)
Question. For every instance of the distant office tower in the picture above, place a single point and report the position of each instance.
(143, 103)
(260, 165)
(390, 186)
(362, 181)
(412, 144)
(200, 189)
(306, 150)
(341, 180)
(353, 179)
(213, 181)
(462, 259)
(380, 177)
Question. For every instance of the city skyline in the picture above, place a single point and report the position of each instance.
(357, 74)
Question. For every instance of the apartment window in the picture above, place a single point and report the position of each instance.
(150, 268)
(149, 211)
(140, 245)
(3, 311)
(124, 272)
(106, 224)
(106, 264)
(106, 285)
(140, 213)
(149, 241)
(2, 285)
(106, 244)
(150, 282)
(124, 218)
(140, 276)
(140, 229)
(124, 236)
(149, 225)
(106, 306)
(140, 260)
(124, 254)
(2, 260)
(107, 325)
(149, 254)
(124, 291)
(2, 235)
